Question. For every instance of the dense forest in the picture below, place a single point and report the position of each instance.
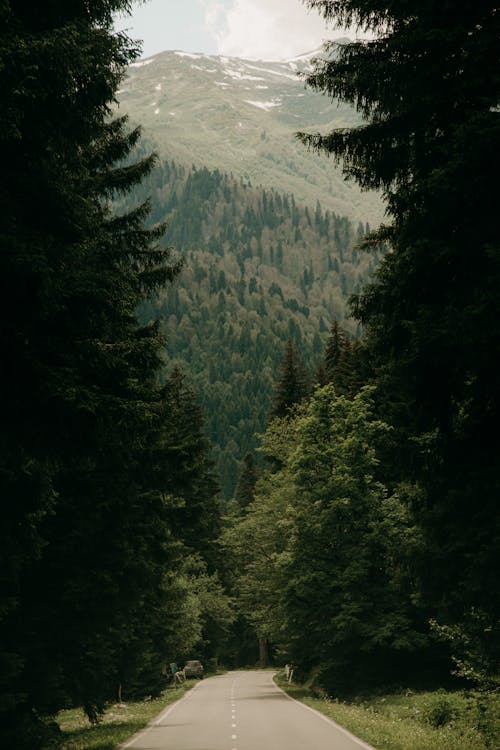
(361, 538)
(109, 500)
(382, 551)
(258, 269)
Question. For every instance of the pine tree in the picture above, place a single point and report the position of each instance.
(321, 376)
(334, 346)
(245, 489)
(344, 365)
(292, 382)
(185, 468)
(343, 375)
(428, 87)
(85, 537)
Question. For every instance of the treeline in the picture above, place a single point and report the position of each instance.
(323, 550)
(109, 499)
(378, 522)
(259, 268)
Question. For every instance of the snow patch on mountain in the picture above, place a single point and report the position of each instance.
(192, 55)
(305, 57)
(237, 75)
(203, 70)
(263, 105)
(274, 72)
(141, 63)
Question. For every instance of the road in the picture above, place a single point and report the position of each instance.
(242, 711)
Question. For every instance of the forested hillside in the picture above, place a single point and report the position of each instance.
(258, 268)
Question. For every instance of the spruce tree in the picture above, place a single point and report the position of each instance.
(185, 469)
(344, 364)
(428, 87)
(292, 382)
(245, 489)
(342, 375)
(333, 348)
(85, 537)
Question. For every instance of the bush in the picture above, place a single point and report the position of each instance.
(484, 707)
(440, 711)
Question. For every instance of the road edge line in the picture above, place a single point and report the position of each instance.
(155, 721)
(342, 729)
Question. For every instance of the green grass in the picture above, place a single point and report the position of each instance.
(413, 721)
(119, 722)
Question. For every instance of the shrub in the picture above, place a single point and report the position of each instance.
(440, 711)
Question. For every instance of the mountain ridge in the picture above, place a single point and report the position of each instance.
(241, 116)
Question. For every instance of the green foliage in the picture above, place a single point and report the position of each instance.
(291, 386)
(475, 647)
(323, 554)
(440, 710)
(429, 92)
(184, 468)
(91, 538)
(398, 721)
(256, 548)
(203, 615)
(245, 489)
(345, 586)
(344, 363)
(119, 722)
(247, 286)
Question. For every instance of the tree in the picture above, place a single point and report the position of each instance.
(85, 537)
(245, 489)
(333, 349)
(255, 544)
(347, 597)
(322, 559)
(292, 382)
(185, 469)
(344, 364)
(429, 89)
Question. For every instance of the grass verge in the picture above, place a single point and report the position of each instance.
(437, 720)
(119, 722)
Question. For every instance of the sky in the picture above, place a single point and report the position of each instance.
(269, 29)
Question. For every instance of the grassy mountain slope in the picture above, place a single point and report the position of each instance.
(241, 116)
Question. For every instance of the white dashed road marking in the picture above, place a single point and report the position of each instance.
(233, 711)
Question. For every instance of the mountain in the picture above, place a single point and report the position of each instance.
(267, 231)
(240, 116)
(259, 268)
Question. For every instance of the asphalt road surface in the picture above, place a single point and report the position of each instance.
(242, 711)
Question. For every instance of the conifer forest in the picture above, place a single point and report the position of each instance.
(234, 426)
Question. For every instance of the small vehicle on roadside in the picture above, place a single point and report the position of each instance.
(194, 669)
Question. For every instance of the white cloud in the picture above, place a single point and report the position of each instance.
(265, 29)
